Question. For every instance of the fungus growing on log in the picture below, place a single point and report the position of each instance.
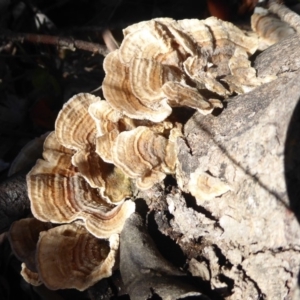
(23, 236)
(76, 130)
(118, 93)
(206, 187)
(143, 154)
(68, 256)
(163, 63)
(59, 194)
(102, 151)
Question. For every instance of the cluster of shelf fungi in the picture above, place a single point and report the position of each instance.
(105, 153)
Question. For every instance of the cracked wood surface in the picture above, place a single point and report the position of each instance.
(248, 239)
(246, 242)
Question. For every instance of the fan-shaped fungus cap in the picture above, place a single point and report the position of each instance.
(23, 236)
(118, 93)
(146, 76)
(200, 33)
(105, 117)
(32, 278)
(206, 187)
(243, 78)
(149, 96)
(144, 155)
(59, 194)
(75, 129)
(109, 124)
(70, 257)
(147, 88)
(217, 40)
(150, 39)
(183, 95)
(195, 67)
(225, 33)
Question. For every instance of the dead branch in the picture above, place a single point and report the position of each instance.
(61, 42)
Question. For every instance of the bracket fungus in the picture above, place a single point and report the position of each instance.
(145, 155)
(75, 129)
(23, 236)
(118, 93)
(66, 256)
(103, 150)
(164, 63)
(29, 276)
(59, 194)
(206, 187)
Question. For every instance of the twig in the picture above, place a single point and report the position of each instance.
(285, 14)
(63, 42)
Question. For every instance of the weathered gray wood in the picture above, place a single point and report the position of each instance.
(248, 239)
(245, 243)
(145, 272)
(280, 58)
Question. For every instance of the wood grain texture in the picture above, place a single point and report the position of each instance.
(253, 145)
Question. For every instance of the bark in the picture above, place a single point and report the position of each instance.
(279, 59)
(63, 42)
(246, 243)
(145, 272)
(14, 202)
